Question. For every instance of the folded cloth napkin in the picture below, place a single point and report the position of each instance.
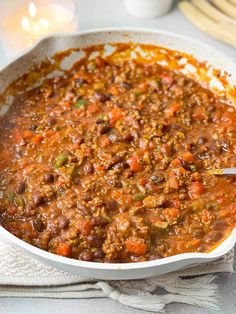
(22, 276)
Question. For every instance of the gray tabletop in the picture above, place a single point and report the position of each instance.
(105, 13)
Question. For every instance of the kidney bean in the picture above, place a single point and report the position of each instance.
(213, 236)
(37, 199)
(104, 129)
(102, 96)
(113, 137)
(198, 233)
(20, 188)
(100, 121)
(88, 168)
(86, 197)
(30, 210)
(86, 255)
(63, 221)
(48, 178)
(94, 241)
(98, 253)
(80, 81)
(83, 209)
(38, 224)
(126, 85)
(128, 138)
(202, 140)
(33, 127)
(99, 221)
(52, 121)
(111, 205)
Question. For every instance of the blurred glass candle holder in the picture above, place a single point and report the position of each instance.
(23, 22)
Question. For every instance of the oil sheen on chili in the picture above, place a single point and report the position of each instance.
(107, 163)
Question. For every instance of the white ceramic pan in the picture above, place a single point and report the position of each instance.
(51, 45)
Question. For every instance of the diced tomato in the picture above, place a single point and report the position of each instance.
(166, 150)
(37, 139)
(99, 168)
(180, 171)
(187, 156)
(136, 246)
(206, 216)
(26, 226)
(17, 137)
(4, 155)
(171, 214)
(60, 182)
(175, 163)
(172, 174)
(93, 108)
(143, 87)
(198, 113)
(228, 121)
(105, 141)
(142, 181)
(196, 189)
(133, 163)
(173, 183)
(116, 194)
(66, 104)
(11, 210)
(166, 78)
(84, 227)
(63, 249)
(158, 156)
(175, 203)
(170, 112)
(140, 106)
(85, 76)
(113, 90)
(115, 115)
(193, 244)
(100, 62)
(221, 200)
(27, 134)
(137, 204)
(157, 222)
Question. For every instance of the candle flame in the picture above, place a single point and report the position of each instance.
(44, 23)
(32, 9)
(36, 28)
(25, 24)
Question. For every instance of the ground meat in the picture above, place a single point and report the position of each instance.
(108, 163)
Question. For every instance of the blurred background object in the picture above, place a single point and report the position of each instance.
(148, 8)
(111, 13)
(93, 14)
(22, 22)
(216, 17)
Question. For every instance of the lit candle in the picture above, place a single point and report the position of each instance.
(25, 24)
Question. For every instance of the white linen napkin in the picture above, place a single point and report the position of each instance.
(22, 276)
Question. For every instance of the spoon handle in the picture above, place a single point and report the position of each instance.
(224, 171)
(229, 171)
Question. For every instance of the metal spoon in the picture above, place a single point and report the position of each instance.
(223, 171)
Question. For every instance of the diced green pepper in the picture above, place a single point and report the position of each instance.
(193, 168)
(137, 93)
(11, 196)
(81, 104)
(139, 197)
(71, 170)
(91, 66)
(102, 116)
(61, 160)
(58, 128)
(19, 201)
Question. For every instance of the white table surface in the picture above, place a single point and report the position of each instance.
(105, 13)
